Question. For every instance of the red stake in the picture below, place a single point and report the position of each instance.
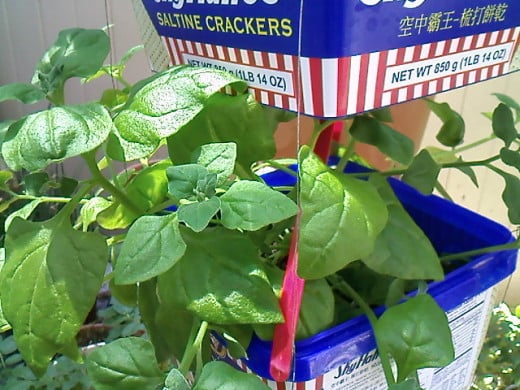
(290, 301)
(292, 287)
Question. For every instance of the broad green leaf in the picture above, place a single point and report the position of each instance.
(409, 384)
(5, 176)
(239, 119)
(442, 110)
(390, 142)
(173, 324)
(221, 376)
(48, 285)
(167, 326)
(198, 215)
(402, 249)
(113, 97)
(237, 338)
(115, 70)
(4, 127)
(279, 115)
(65, 186)
(416, 334)
(371, 285)
(229, 284)
(152, 246)
(5, 204)
(35, 182)
(217, 158)
(147, 189)
(469, 172)
(189, 181)
(453, 127)
(504, 124)
(510, 157)
(382, 114)
(452, 131)
(317, 309)
(75, 53)
(341, 218)
(90, 210)
(4, 325)
(396, 292)
(510, 197)
(55, 135)
(127, 363)
(251, 205)
(422, 173)
(165, 103)
(127, 294)
(510, 102)
(176, 381)
(23, 212)
(25, 93)
(316, 312)
(442, 156)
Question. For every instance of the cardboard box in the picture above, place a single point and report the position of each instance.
(353, 56)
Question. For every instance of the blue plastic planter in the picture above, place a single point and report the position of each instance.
(344, 357)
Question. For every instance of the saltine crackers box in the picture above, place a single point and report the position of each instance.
(334, 58)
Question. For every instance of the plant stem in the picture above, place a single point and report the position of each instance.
(281, 167)
(349, 151)
(108, 186)
(191, 351)
(480, 251)
(442, 191)
(163, 207)
(474, 144)
(47, 199)
(69, 207)
(397, 172)
(343, 286)
(318, 128)
(57, 97)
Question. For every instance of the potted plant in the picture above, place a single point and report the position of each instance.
(199, 241)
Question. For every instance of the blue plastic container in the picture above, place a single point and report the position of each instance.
(344, 356)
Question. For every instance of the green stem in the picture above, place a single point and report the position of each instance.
(397, 172)
(57, 97)
(474, 144)
(439, 187)
(281, 167)
(191, 351)
(47, 199)
(480, 251)
(349, 151)
(343, 286)
(318, 128)
(69, 207)
(108, 186)
(163, 206)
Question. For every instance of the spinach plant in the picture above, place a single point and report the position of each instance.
(499, 361)
(198, 241)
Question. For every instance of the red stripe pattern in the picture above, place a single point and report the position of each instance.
(338, 87)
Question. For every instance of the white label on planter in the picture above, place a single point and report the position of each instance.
(364, 372)
(468, 326)
(467, 323)
(271, 80)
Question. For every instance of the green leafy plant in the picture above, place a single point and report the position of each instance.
(499, 362)
(198, 241)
